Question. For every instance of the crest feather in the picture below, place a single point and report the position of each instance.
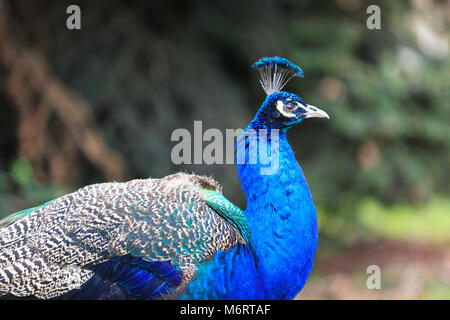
(275, 72)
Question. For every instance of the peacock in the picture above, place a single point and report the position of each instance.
(178, 237)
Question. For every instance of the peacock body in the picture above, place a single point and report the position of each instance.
(177, 237)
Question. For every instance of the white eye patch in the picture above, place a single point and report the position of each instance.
(280, 106)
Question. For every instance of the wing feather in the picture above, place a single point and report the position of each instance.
(48, 249)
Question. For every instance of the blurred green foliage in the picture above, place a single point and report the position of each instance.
(18, 190)
(427, 222)
(380, 168)
(149, 67)
(21, 172)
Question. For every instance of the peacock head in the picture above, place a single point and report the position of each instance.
(281, 109)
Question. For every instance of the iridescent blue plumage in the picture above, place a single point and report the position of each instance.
(279, 63)
(128, 277)
(275, 72)
(282, 218)
(178, 236)
(280, 211)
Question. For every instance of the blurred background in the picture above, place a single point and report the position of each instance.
(100, 104)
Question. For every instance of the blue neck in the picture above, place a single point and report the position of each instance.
(282, 219)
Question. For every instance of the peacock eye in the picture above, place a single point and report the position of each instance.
(290, 106)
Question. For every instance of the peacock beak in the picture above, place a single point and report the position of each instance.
(314, 112)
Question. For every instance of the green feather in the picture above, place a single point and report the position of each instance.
(19, 215)
(233, 214)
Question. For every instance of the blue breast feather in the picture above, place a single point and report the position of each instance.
(230, 275)
(128, 277)
(283, 223)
